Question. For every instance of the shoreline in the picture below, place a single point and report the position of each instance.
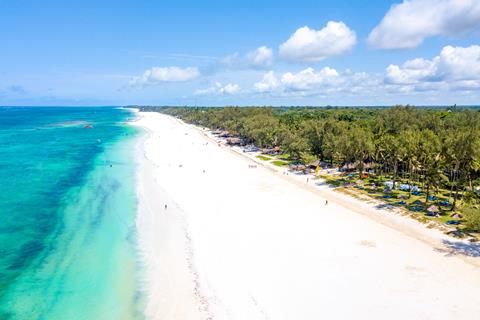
(254, 243)
(163, 245)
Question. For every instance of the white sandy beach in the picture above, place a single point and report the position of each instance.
(245, 243)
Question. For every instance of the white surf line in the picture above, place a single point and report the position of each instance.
(161, 265)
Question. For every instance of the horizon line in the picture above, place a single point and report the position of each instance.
(240, 106)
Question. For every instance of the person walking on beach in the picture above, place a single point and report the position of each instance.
(326, 202)
(165, 206)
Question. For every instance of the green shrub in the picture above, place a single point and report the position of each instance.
(261, 157)
(472, 218)
(280, 163)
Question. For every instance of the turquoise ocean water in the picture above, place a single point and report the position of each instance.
(67, 214)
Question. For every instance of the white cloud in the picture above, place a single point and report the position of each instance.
(307, 78)
(455, 68)
(359, 83)
(406, 25)
(230, 60)
(410, 72)
(310, 82)
(260, 57)
(268, 83)
(314, 45)
(157, 75)
(231, 88)
(460, 63)
(219, 89)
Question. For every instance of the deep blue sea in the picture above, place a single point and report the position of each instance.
(67, 214)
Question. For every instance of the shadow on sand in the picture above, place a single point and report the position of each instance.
(460, 247)
(323, 183)
(385, 206)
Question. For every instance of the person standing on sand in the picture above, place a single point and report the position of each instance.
(326, 202)
(165, 206)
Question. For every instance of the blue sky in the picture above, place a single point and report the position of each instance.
(374, 52)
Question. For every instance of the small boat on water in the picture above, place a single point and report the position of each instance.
(88, 126)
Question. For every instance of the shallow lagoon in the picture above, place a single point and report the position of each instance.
(67, 211)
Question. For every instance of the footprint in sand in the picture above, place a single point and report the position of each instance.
(414, 270)
(367, 243)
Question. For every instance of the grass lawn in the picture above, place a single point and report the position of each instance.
(265, 158)
(284, 156)
(280, 163)
(334, 181)
(415, 204)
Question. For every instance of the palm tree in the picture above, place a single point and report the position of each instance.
(431, 160)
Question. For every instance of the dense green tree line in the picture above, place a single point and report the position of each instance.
(431, 147)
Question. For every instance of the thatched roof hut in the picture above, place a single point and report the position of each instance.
(235, 141)
(271, 151)
(313, 164)
(297, 167)
(222, 133)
